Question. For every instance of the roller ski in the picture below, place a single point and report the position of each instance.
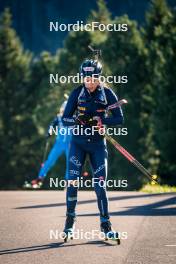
(109, 234)
(69, 228)
(37, 183)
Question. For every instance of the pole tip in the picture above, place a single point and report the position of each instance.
(154, 179)
(153, 182)
(125, 101)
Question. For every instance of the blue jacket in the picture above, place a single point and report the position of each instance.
(81, 101)
(61, 137)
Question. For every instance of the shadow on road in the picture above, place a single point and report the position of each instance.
(152, 209)
(117, 198)
(100, 243)
(159, 208)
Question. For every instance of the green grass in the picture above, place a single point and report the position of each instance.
(149, 188)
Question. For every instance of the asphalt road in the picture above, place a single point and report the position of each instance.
(28, 219)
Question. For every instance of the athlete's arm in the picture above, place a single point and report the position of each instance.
(71, 106)
(52, 125)
(117, 115)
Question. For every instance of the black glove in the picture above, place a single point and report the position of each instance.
(53, 124)
(81, 119)
(92, 122)
(86, 120)
(48, 135)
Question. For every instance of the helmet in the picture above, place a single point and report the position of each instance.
(90, 68)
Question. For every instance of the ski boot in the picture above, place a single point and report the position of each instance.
(69, 227)
(109, 233)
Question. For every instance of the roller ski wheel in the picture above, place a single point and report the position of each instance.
(109, 233)
(37, 183)
(69, 228)
(112, 236)
(68, 235)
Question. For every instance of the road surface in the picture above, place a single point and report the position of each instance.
(31, 222)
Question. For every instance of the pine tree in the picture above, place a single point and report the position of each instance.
(160, 38)
(125, 55)
(102, 16)
(14, 75)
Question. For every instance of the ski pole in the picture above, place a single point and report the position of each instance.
(118, 104)
(132, 159)
(45, 151)
(27, 184)
(125, 153)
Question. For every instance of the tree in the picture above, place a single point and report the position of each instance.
(14, 121)
(125, 55)
(103, 16)
(160, 38)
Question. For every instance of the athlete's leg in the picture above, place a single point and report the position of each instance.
(67, 150)
(54, 154)
(98, 158)
(76, 161)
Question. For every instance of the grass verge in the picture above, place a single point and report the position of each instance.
(149, 188)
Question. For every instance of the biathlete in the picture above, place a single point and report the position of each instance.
(61, 146)
(86, 107)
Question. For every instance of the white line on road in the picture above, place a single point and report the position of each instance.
(170, 245)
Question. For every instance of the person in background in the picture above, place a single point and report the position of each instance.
(61, 146)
